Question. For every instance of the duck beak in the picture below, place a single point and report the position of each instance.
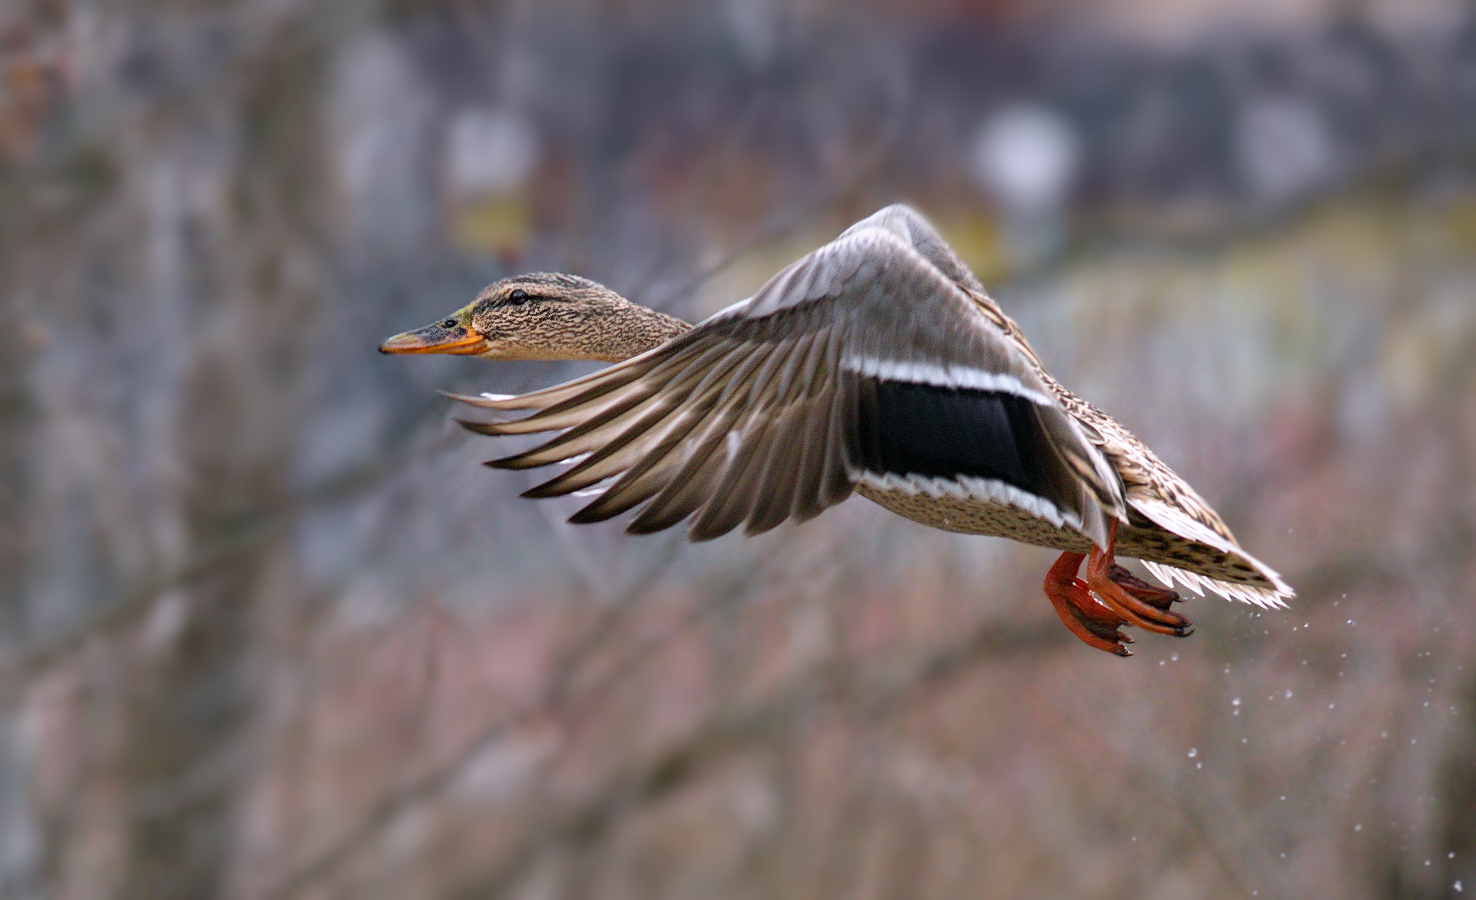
(459, 341)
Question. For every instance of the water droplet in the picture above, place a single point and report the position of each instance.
(1235, 702)
(1358, 827)
(1193, 752)
(1288, 693)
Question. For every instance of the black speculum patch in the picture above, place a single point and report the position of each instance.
(907, 428)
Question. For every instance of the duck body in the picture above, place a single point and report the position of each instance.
(1208, 557)
(1205, 563)
(876, 364)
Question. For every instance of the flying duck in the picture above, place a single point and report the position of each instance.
(877, 364)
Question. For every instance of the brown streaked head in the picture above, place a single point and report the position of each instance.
(542, 316)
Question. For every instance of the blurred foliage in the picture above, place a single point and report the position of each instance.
(270, 631)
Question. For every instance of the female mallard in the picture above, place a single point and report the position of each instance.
(877, 364)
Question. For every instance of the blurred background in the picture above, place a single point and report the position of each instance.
(268, 630)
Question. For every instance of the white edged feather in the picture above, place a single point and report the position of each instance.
(1180, 523)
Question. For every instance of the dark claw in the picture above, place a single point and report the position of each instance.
(1177, 621)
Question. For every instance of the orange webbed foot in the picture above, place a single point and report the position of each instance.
(1083, 615)
(1110, 597)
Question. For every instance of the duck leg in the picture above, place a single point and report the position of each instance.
(1093, 622)
(1136, 601)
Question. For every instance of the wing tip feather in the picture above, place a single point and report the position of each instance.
(507, 402)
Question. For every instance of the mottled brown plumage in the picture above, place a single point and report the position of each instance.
(878, 364)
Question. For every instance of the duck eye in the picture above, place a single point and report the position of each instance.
(517, 296)
(449, 323)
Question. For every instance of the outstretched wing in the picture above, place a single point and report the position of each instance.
(918, 233)
(866, 358)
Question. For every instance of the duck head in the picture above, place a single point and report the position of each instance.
(538, 316)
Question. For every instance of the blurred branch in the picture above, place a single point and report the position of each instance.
(880, 688)
(127, 610)
(702, 192)
(876, 690)
(556, 699)
(1206, 242)
(889, 132)
(1218, 821)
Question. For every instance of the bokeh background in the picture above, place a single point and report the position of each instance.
(269, 631)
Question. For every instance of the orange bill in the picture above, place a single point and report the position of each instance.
(437, 338)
